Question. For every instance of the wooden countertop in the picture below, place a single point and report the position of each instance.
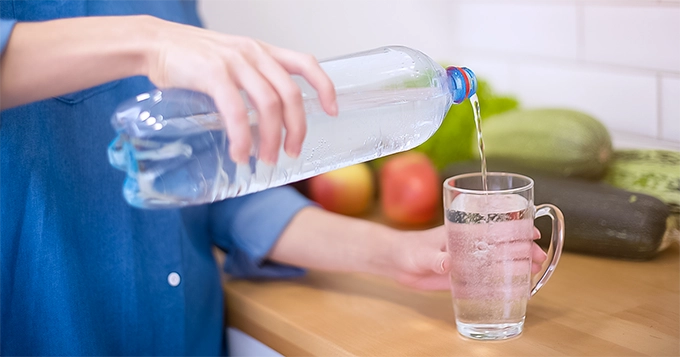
(591, 306)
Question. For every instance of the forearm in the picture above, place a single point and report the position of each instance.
(51, 58)
(317, 239)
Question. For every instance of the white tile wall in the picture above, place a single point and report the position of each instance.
(616, 59)
(501, 75)
(621, 47)
(517, 28)
(670, 109)
(636, 36)
(329, 28)
(631, 98)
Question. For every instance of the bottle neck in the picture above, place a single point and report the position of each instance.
(463, 83)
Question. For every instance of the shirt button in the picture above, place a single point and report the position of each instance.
(173, 279)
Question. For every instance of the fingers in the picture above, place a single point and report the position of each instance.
(426, 267)
(268, 105)
(538, 257)
(225, 67)
(229, 102)
(308, 67)
(276, 97)
(293, 108)
(433, 255)
(537, 254)
(428, 258)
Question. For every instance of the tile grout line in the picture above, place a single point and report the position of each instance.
(611, 3)
(562, 61)
(659, 107)
(580, 31)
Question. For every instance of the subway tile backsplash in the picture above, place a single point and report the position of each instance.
(616, 60)
(500, 74)
(630, 98)
(670, 109)
(636, 36)
(517, 28)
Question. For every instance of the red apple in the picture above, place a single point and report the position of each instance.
(410, 191)
(347, 191)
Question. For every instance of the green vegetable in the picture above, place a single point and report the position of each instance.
(672, 229)
(560, 142)
(604, 220)
(599, 219)
(653, 172)
(453, 140)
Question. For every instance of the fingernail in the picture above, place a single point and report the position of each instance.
(239, 158)
(292, 154)
(443, 267)
(268, 161)
(334, 109)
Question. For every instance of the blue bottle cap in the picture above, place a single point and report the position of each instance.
(463, 83)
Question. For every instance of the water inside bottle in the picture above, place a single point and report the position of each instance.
(184, 163)
(480, 141)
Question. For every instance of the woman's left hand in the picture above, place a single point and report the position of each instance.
(421, 261)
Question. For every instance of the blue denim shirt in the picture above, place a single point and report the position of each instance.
(84, 273)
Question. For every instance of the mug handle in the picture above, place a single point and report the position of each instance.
(556, 241)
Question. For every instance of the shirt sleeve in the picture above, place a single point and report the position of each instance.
(6, 27)
(247, 228)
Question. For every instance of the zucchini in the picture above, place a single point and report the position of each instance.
(557, 142)
(653, 172)
(599, 219)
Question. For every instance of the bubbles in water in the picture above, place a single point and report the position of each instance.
(352, 137)
(379, 146)
(481, 249)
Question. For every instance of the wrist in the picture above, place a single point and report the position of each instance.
(145, 43)
(384, 249)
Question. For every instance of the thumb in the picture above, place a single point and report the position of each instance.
(428, 252)
(438, 263)
(428, 258)
(443, 263)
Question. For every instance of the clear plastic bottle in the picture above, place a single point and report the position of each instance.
(174, 149)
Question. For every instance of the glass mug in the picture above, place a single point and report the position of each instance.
(490, 235)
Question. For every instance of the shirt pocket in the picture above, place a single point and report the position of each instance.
(77, 97)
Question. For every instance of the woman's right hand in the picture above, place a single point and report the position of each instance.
(221, 65)
(51, 58)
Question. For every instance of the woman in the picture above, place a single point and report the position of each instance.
(83, 273)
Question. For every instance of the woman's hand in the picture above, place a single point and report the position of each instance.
(420, 259)
(319, 239)
(51, 58)
(221, 65)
